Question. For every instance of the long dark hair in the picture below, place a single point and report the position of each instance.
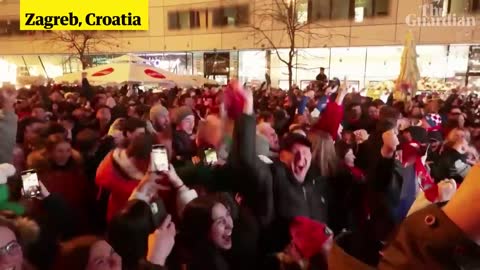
(197, 219)
(128, 232)
(196, 248)
(140, 147)
(75, 253)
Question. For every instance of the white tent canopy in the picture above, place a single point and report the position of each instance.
(202, 80)
(125, 71)
(129, 58)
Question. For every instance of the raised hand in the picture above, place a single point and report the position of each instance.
(8, 98)
(160, 242)
(361, 135)
(44, 193)
(342, 92)
(173, 178)
(248, 96)
(310, 94)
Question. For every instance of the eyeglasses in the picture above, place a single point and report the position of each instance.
(12, 248)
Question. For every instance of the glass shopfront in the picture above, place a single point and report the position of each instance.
(13, 67)
(361, 65)
(179, 63)
(364, 65)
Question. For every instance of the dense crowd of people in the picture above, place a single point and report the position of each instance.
(260, 178)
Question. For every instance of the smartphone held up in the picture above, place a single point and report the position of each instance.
(159, 158)
(30, 185)
(211, 156)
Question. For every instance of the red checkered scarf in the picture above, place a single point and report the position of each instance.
(426, 182)
(434, 120)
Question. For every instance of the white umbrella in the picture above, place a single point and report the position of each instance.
(69, 78)
(129, 58)
(202, 80)
(128, 72)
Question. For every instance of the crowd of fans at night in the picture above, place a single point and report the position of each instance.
(255, 178)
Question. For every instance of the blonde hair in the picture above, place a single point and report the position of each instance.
(324, 155)
(453, 138)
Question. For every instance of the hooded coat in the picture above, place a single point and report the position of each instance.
(119, 174)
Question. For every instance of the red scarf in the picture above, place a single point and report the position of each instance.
(427, 184)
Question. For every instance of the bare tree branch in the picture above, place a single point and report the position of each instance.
(81, 43)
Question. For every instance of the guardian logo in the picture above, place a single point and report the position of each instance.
(432, 15)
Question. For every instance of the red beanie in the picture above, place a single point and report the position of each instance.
(309, 236)
(234, 100)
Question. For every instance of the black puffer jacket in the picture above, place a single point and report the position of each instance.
(384, 180)
(271, 191)
(450, 165)
(183, 146)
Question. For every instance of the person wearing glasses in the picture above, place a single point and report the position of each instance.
(11, 251)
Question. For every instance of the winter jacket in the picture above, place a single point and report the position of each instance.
(347, 204)
(384, 181)
(8, 133)
(119, 174)
(428, 239)
(69, 182)
(206, 257)
(144, 265)
(450, 165)
(87, 90)
(56, 222)
(244, 252)
(183, 146)
(271, 191)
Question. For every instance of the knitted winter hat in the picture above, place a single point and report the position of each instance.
(156, 111)
(182, 113)
(309, 236)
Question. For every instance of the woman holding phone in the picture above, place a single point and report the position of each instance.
(60, 168)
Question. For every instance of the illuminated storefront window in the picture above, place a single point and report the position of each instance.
(252, 66)
(8, 72)
(361, 65)
(383, 63)
(279, 70)
(433, 61)
(179, 63)
(350, 63)
(309, 62)
(365, 65)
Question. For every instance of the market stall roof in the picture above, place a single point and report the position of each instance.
(128, 72)
(129, 58)
(202, 80)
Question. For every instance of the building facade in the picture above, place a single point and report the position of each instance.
(360, 39)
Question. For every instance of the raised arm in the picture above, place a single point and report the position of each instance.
(8, 125)
(256, 181)
(332, 116)
(244, 134)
